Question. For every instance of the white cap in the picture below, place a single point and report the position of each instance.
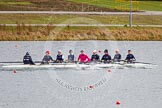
(59, 51)
(94, 51)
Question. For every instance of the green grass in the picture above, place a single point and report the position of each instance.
(140, 5)
(49, 5)
(70, 5)
(81, 19)
(13, 2)
(16, 3)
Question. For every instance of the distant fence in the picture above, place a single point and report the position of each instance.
(77, 25)
(82, 13)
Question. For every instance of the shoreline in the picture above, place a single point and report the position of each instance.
(80, 33)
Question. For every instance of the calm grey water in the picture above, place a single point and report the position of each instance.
(67, 88)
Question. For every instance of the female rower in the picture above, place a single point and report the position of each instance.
(95, 57)
(106, 58)
(47, 58)
(60, 57)
(117, 56)
(28, 59)
(83, 58)
(130, 57)
(71, 56)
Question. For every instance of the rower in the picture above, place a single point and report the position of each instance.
(117, 56)
(130, 57)
(28, 59)
(83, 58)
(95, 57)
(60, 57)
(47, 58)
(71, 56)
(106, 58)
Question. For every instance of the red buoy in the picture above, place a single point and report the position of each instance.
(118, 103)
(16, 46)
(91, 86)
(99, 51)
(14, 71)
(109, 70)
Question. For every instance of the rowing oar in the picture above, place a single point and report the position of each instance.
(12, 62)
(137, 62)
(36, 62)
(68, 62)
(19, 62)
(143, 63)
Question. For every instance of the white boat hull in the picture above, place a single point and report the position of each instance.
(72, 65)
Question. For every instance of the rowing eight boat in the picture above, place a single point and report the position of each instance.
(74, 65)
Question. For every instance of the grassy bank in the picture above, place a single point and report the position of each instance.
(23, 33)
(15, 3)
(81, 19)
(124, 5)
(78, 5)
(48, 5)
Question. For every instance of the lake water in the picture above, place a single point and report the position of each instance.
(74, 88)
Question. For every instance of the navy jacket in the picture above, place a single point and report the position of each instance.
(106, 57)
(60, 58)
(28, 60)
(130, 57)
(95, 57)
(117, 57)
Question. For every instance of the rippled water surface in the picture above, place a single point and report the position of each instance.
(81, 88)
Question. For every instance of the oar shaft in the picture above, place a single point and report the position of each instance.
(66, 62)
(142, 62)
(12, 62)
(19, 62)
